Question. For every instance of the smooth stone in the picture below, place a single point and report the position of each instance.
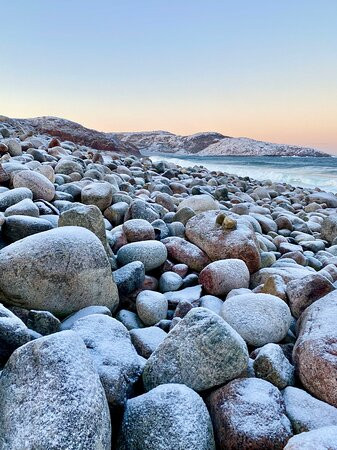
(201, 351)
(170, 281)
(40, 186)
(271, 365)
(249, 413)
(51, 397)
(324, 438)
(116, 361)
(99, 194)
(220, 277)
(151, 253)
(259, 318)
(240, 243)
(306, 412)
(68, 322)
(129, 277)
(14, 196)
(199, 203)
(86, 216)
(329, 228)
(71, 262)
(13, 334)
(19, 227)
(146, 340)
(14, 147)
(187, 253)
(190, 294)
(151, 307)
(212, 303)
(43, 322)
(314, 353)
(176, 418)
(137, 230)
(24, 208)
(305, 291)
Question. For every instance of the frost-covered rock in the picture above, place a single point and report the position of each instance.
(307, 412)
(324, 438)
(249, 413)
(41, 187)
(220, 277)
(201, 351)
(114, 356)
(199, 203)
(60, 270)
(272, 365)
(176, 418)
(258, 318)
(51, 397)
(314, 352)
(151, 253)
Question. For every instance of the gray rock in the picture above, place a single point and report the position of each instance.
(307, 412)
(19, 227)
(151, 307)
(115, 359)
(137, 230)
(146, 340)
(271, 365)
(60, 270)
(43, 322)
(176, 418)
(129, 277)
(51, 397)
(14, 196)
(13, 333)
(189, 294)
(14, 147)
(69, 321)
(258, 318)
(99, 194)
(324, 438)
(212, 303)
(201, 351)
(86, 216)
(129, 319)
(170, 281)
(329, 228)
(40, 186)
(151, 253)
(24, 208)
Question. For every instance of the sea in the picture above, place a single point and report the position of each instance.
(308, 172)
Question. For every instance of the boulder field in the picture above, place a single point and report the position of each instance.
(149, 306)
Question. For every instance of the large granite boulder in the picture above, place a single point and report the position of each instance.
(60, 270)
(170, 416)
(249, 413)
(51, 397)
(201, 351)
(315, 349)
(220, 243)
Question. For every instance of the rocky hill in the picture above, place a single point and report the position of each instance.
(67, 130)
(154, 142)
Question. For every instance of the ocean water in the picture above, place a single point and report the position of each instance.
(305, 172)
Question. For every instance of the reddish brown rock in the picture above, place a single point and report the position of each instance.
(187, 253)
(315, 352)
(305, 291)
(54, 142)
(249, 413)
(219, 243)
(220, 277)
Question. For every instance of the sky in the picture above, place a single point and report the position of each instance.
(265, 69)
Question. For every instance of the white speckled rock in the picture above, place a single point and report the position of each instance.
(51, 397)
(151, 253)
(258, 318)
(176, 418)
(151, 307)
(220, 277)
(199, 203)
(201, 351)
(60, 270)
(324, 438)
(41, 187)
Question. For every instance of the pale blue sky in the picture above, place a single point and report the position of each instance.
(265, 69)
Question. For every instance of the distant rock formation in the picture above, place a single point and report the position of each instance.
(156, 142)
